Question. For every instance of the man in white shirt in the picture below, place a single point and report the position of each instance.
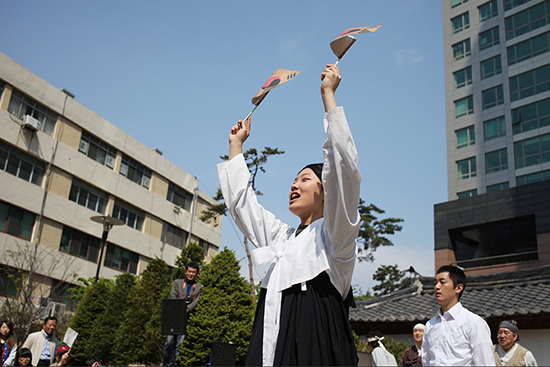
(455, 336)
(508, 352)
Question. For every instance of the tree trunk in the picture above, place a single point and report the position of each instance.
(252, 286)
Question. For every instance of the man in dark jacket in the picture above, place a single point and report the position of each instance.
(413, 355)
(190, 290)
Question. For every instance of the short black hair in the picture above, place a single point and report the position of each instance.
(457, 276)
(53, 318)
(192, 266)
(371, 334)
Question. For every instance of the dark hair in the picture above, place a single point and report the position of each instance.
(9, 324)
(94, 360)
(192, 266)
(457, 276)
(371, 334)
(50, 318)
(21, 353)
(317, 168)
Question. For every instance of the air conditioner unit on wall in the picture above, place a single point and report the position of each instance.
(57, 308)
(43, 301)
(31, 123)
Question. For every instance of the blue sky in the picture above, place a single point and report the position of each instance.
(176, 75)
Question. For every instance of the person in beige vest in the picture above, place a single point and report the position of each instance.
(42, 343)
(508, 352)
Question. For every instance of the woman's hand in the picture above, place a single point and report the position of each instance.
(238, 135)
(330, 82)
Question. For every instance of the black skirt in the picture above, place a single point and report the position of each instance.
(314, 327)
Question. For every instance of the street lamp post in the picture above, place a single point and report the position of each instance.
(108, 223)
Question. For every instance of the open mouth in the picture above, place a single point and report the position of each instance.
(294, 196)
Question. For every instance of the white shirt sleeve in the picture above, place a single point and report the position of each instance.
(529, 359)
(425, 348)
(340, 172)
(481, 344)
(257, 224)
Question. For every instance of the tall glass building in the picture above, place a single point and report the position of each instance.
(497, 95)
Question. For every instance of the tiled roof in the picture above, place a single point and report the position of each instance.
(510, 294)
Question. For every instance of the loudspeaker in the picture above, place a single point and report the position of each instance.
(223, 353)
(174, 317)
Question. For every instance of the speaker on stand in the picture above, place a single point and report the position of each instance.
(174, 317)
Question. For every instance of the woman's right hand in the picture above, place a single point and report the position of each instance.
(238, 135)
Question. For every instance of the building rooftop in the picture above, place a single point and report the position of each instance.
(513, 294)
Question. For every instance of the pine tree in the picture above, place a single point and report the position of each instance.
(101, 343)
(138, 339)
(225, 312)
(91, 306)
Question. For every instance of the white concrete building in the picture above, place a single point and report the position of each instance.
(50, 143)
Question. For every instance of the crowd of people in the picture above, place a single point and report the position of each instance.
(40, 348)
(455, 336)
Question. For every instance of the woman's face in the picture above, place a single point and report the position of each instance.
(306, 195)
(24, 361)
(4, 330)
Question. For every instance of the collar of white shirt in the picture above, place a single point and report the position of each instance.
(453, 312)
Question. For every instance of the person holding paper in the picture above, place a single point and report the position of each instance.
(302, 312)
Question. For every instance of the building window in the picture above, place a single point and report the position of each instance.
(130, 215)
(16, 221)
(528, 20)
(531, 116)
(532, 178)
(530, 83)
(488, 39)
(463, 77)
(466, 168)
(491, 67)
(97, 150)
(88, 196)
(21, 164)
(492, 97)
(121, 259)
(498, 187)
(506, 241)
(466, 194)
(464, 106)
(204, 245)
(528, 49)
(532, 151)
(61, 293)
(79, 244)
(496, 161)
(8, 278)
(465, 137)
(494, 128)
(460, 23)
(21, 105)
(173, 235)
(461, 50)
(488, 11)
(179, 197)
(135, 171)
(455, 3)
(510, 4)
